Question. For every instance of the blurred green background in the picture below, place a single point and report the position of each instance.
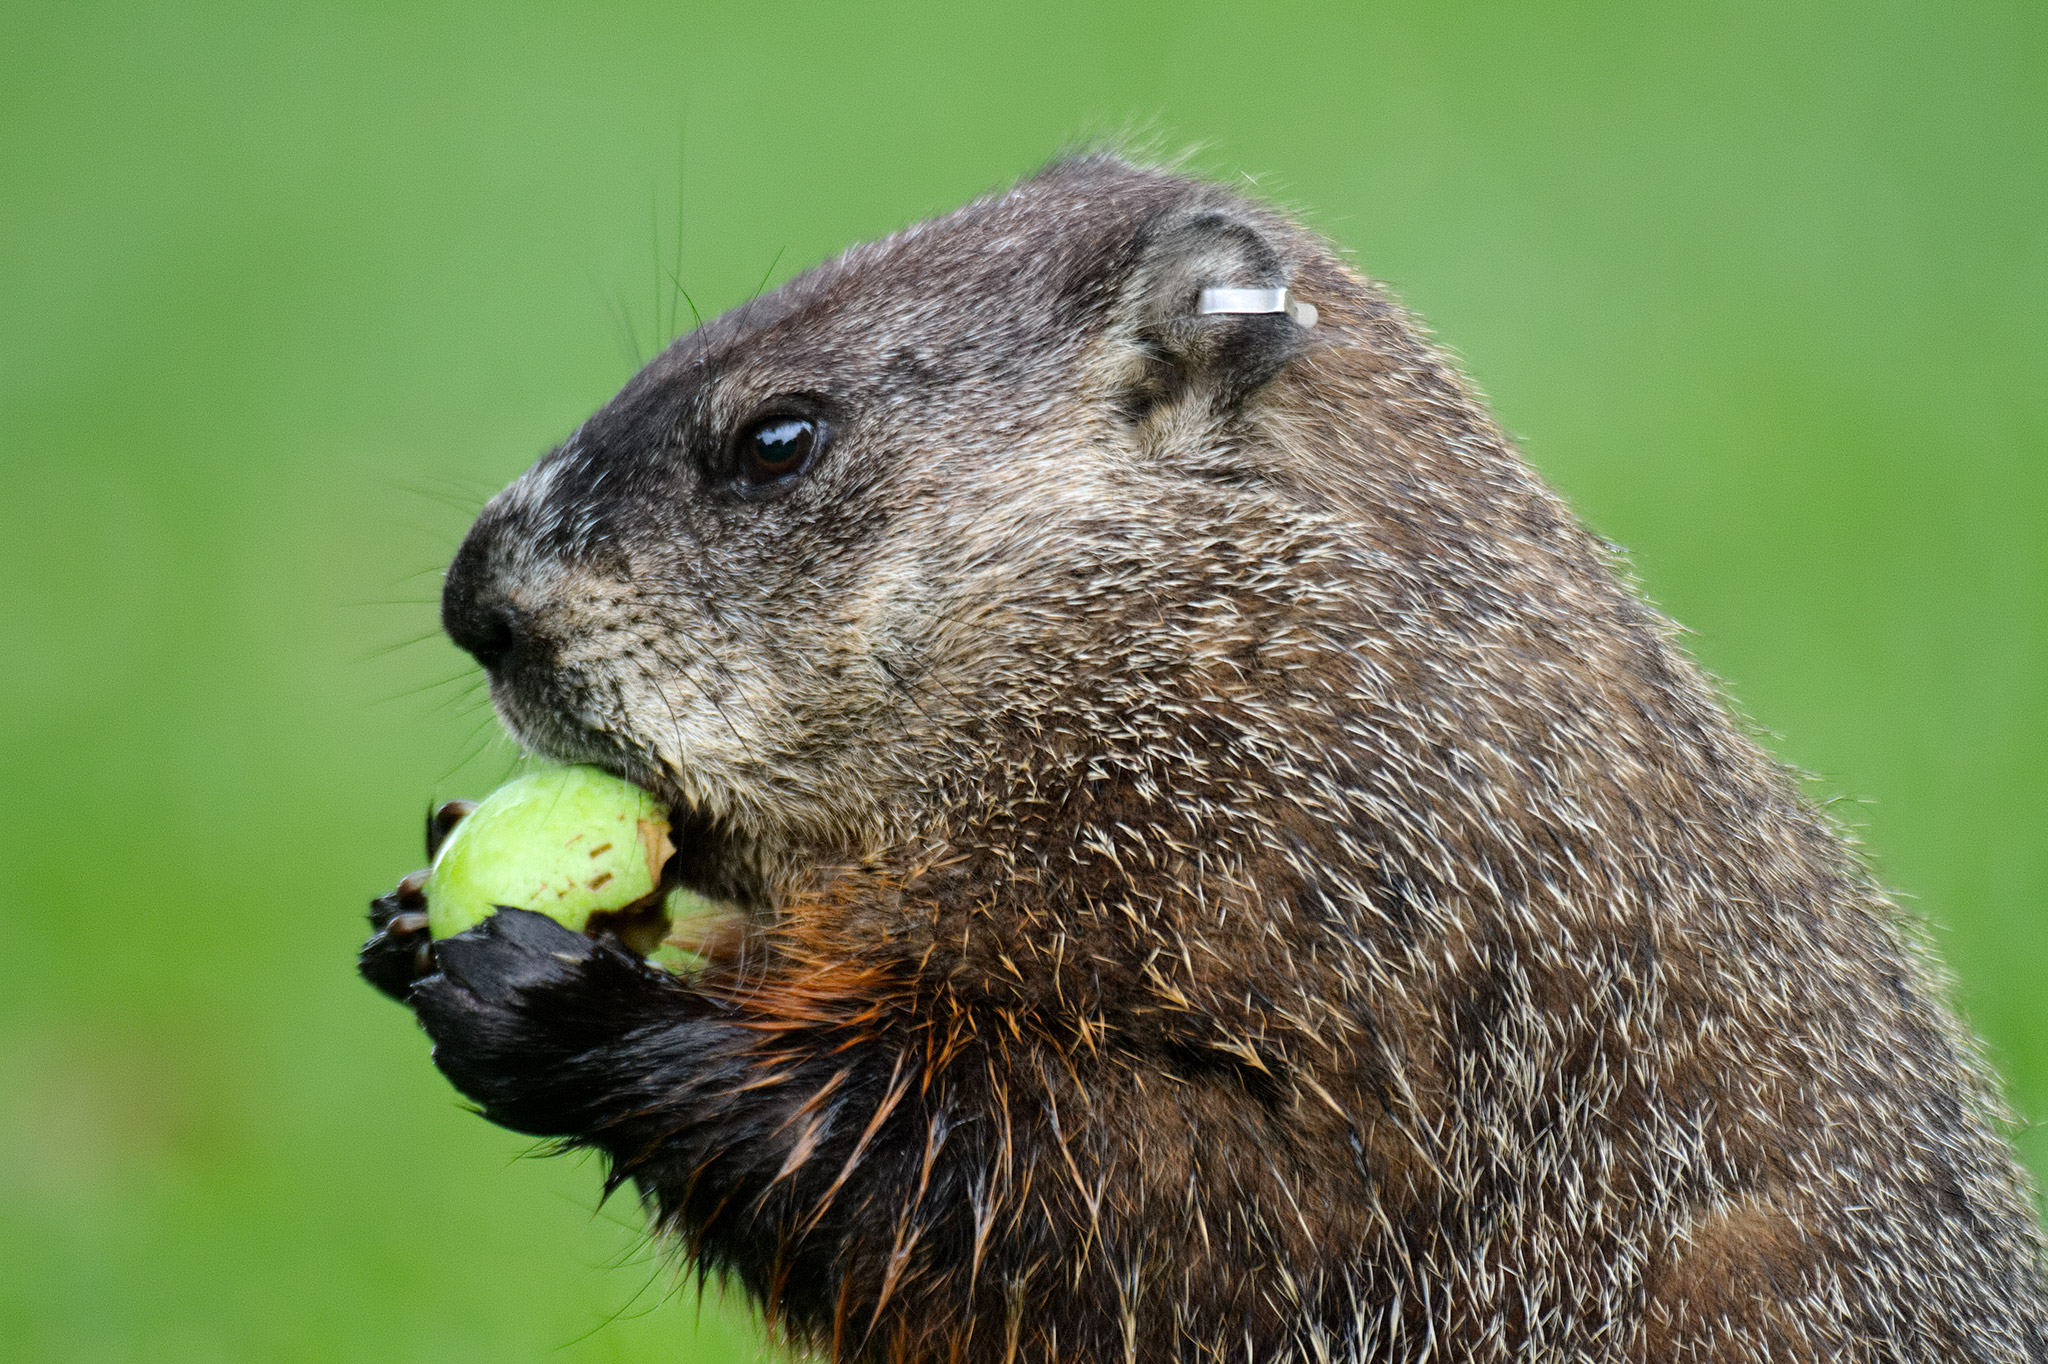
(285, 291)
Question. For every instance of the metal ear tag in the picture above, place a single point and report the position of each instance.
(1257, 301)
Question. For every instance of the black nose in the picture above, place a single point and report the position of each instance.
(475, 612)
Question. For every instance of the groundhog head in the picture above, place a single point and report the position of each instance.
(798, 571)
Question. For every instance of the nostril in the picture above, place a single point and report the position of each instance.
(491, 636)
(476, 615)
(487, 629)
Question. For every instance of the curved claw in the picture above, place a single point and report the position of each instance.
(441, 822)
(399, 951)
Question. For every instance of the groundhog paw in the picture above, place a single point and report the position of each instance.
(512, 952)
(399, 951)
(522, 1011)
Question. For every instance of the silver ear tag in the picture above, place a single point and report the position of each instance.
(1257, 301)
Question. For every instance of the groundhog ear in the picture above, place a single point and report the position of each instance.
(1208, 310)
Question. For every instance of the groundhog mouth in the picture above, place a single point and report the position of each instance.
(708, 859)
(713, 858)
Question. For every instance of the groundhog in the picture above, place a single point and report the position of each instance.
(1233, 869)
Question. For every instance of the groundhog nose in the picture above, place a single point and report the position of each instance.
(476, 615)
(490, 634)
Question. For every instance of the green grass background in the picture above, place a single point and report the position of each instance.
(285, 291)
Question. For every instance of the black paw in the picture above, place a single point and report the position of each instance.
(522, 1012)
(399, 951)
(510, 954)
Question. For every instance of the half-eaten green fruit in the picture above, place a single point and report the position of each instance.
(580, 846)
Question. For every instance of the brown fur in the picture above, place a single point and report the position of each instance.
(1239, 874)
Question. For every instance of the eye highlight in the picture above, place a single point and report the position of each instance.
(776, 449)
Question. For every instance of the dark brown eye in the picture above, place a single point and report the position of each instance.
(776, 448)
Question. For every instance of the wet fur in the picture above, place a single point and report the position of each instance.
(1237, 872)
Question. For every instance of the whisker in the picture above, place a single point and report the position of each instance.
(622, 322)
(474, 748)
(465, 498)
(436, 569)
(682, 170)
(702, 691)
(458, 700)
(766, 273)
(383, 650)
(424, 687)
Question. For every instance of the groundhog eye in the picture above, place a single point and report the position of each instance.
(776, 448)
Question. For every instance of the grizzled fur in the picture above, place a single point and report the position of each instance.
(1235, 872)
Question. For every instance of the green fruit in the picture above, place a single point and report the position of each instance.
(568, 842)
(693, 932)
